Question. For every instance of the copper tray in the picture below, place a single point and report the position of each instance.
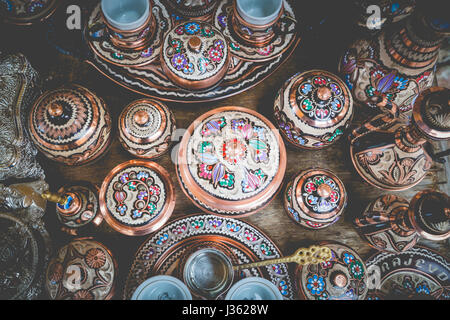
(162, 252)
(150, 80)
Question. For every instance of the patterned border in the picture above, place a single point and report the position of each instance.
(155, 250)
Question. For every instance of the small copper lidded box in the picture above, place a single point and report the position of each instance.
(313, 109)
(137, 197)
(146, 127)
(315, 198)
(231, 161)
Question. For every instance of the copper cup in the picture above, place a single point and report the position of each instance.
(254, 21)
(129, 24)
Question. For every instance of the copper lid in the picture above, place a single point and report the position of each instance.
(317, 196)
(231, 161)
(313, 109)
(431, 113)
(84, 269)
(189, 8)
(146, 127)
(137, 197)
(344, 277)
(195, 55)
(70, 125)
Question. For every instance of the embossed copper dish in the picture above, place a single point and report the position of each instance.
(162, 252)
(419, 273)
(146, 127)
(70, 125)
(313, 109)
(231, 161)
(315, 198)
(84, 269)
(344, 277)
(195, 55)
(27, 12)
(137, 197)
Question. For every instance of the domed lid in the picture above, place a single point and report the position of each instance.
(319, 193)
(189, 8)
(431, 113)
(429, 213)
(195, 55)
(231, 161)
(146, 127)
(342, 278)
(84, 269)
(70, 125)
(319, 98)
(137, 197)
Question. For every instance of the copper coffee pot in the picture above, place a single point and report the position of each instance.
(391, 224)
(398, 159)
(76, 206)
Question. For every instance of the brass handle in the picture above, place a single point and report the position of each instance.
(303, 256)
(54, 197)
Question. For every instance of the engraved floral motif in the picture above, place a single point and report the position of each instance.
(95, 258)
(316, 202)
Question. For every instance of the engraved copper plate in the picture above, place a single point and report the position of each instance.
(418, 272)
(26, 12)
(137, 197)
(151, 81)
(231, 161)
(163, 251)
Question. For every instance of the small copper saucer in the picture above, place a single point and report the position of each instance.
(103, 47)
(27, 12)
(277, 46)
(137, 197)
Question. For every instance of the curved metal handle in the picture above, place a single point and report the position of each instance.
(55, 197)
(303, 256)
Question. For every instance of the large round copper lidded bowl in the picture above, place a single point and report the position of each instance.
(137, 197)
(195, 55)
(71, 125)
(313, 109)
(231, 161)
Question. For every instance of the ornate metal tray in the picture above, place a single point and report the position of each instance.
(415, 272)
(163, 251)
(148, 78)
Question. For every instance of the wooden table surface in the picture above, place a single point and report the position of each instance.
(321, 51)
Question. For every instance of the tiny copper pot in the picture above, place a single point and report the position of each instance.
(136, 39)
(254, 35)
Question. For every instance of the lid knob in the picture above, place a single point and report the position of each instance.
(324, 93)
(141, 117)
(55, 110)
(339, 280)
(195, 43)
(324, 190)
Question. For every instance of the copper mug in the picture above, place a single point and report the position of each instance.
(257, 22)
(128, 24)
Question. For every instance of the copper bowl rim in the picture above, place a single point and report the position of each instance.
(163, 216)
(264, 197)
(36, 19)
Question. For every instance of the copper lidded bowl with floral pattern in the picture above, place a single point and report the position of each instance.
(344, 277)
(313, 109)
(146, 127)
(137, 197)
(195, 55)
(71, 125)
(231, 161)
(315, 198)
(84, 269)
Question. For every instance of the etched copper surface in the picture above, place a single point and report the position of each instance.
(137, 197)
(231, 161)
(27, 12)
